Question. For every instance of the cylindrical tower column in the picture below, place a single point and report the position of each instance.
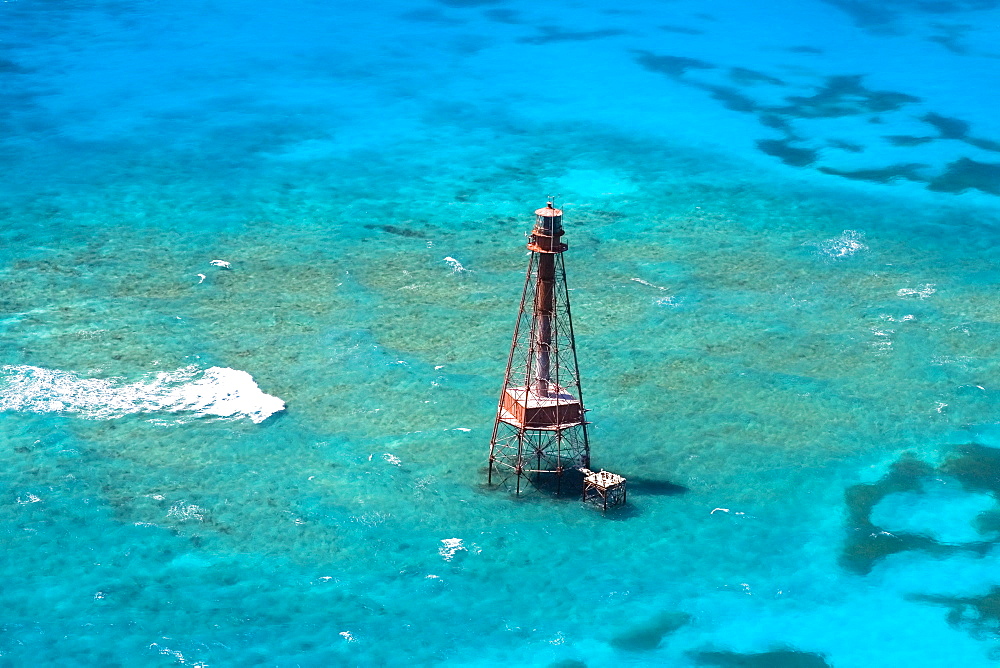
(545, 240)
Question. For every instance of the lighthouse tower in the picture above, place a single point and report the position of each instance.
(540, 431)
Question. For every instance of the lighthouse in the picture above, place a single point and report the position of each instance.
(540, 431)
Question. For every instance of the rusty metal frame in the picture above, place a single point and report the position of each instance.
(520, 454)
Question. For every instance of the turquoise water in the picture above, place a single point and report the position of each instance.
(782, 226)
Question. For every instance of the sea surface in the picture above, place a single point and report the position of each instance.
(259, 268)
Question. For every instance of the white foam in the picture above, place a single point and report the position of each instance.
(456, 266)
(450, 547)
(924, 290)
(183, 511)
(848, 243)
(666, 301)
(216, 391)
(647, 283)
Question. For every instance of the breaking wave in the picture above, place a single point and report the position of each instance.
(217, 391)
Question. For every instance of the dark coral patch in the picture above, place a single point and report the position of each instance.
(555, 34)
(469, 3)
(883, 175)
(887, 100)
(430, 16)
(398, 231)
(988, 522)
(846, 145)
(956, 128)
(883, 15)
(674, 66)
(950, 128)
(649, 635)
(777, 659)
(861, 555)
(985, 144)
(974, 466)
(731, 98)
(804, 49)
(907, 140)
(845, 96)
(568, 663)
(866, 14)
(504, 16)
(747, 77)
(866, 543)
(965, 174)
(977, 468)
(10, 67)
(950, 42)
(788, 154)
(951, 36)
(776, 122)
(682, 30)
(979, 615)
(838, 96)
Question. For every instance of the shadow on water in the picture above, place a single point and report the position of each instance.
(654, 487)
(569, 487)
(572, 484)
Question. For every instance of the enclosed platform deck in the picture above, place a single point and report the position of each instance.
(522, 407)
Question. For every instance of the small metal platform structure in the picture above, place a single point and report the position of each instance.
(603, 488)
